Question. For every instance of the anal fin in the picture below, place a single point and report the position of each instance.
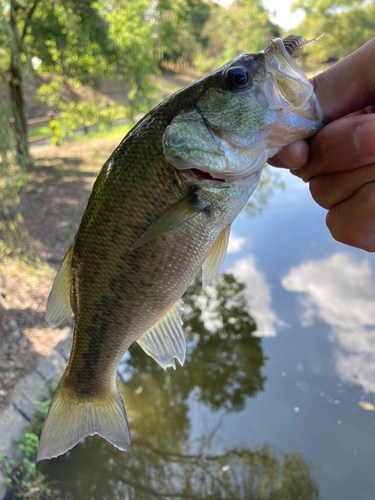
(58, 305)
(165, 340)
(215, 257)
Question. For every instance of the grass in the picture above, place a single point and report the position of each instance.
(105, 132)
(39, 130)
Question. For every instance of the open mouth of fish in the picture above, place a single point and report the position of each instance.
(205, 176)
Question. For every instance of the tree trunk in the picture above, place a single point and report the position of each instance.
(16, 96)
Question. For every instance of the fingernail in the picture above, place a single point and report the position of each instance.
(285, 164)
(364, 139)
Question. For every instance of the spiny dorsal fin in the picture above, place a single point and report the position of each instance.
(72, 417)
(215, 257)
(165, 340)
(180, 212)
(58, 305)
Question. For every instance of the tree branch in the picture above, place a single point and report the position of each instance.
(28, 18)
(15, 5)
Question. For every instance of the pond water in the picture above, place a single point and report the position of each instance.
(276, 397)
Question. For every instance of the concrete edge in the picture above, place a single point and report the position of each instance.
(26, 396)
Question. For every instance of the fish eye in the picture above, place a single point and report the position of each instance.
(237, 78)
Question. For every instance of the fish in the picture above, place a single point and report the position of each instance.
(161, 208)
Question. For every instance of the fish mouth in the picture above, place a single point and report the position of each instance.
(289, 81)
(205, 176)
(290, 88)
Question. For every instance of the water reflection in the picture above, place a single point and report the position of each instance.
(340, 290)
(146, 473)
(258, 296)
(222, 369)
(224, 359)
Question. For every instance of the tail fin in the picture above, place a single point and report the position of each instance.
(71, 418)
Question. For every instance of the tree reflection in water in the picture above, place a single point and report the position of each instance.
(222, 369)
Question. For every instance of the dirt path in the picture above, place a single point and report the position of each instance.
(52, 203)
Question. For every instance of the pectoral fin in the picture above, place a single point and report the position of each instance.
(179, 213)
(165, 340)
(215, 257)
(58, 305)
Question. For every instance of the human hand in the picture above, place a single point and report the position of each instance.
(339, 161)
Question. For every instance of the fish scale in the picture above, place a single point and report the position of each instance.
(161, 208)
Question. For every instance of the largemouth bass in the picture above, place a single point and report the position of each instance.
(161, 208)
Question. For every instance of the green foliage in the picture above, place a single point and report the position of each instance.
(13, 235)
(347, 25)
(178, 30)
(24, 479)
(242, 27)
(28, 444)
(65, 44)
(112, 40)
(70, 43)
(246, 27)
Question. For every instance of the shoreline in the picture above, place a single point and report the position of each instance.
(26, 396)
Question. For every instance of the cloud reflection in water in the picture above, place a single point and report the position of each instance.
(340, 290)
(258, 295)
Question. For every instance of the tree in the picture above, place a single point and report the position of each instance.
(347, 25)
(73, 41)
(241, 28)
(246, 27)
(13, 236)
(178, 29)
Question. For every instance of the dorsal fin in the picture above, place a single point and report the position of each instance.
(58, 305)
(165, 340)
(215, 257)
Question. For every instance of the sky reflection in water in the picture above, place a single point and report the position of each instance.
(281, 351)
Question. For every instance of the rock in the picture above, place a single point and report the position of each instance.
(63, 347)
(3, 486)
(12, 424)
(15, 419)
(29, 394)
(3, 302)
(14, 330)
(51, 367)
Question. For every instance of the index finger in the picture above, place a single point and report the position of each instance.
(345, 144)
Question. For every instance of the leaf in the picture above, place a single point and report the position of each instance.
(366, 406)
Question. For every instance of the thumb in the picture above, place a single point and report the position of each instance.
(348, 85)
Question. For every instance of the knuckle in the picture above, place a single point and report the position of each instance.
(367, 195)
(335, 228)
(319, 192)
(356, 231)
